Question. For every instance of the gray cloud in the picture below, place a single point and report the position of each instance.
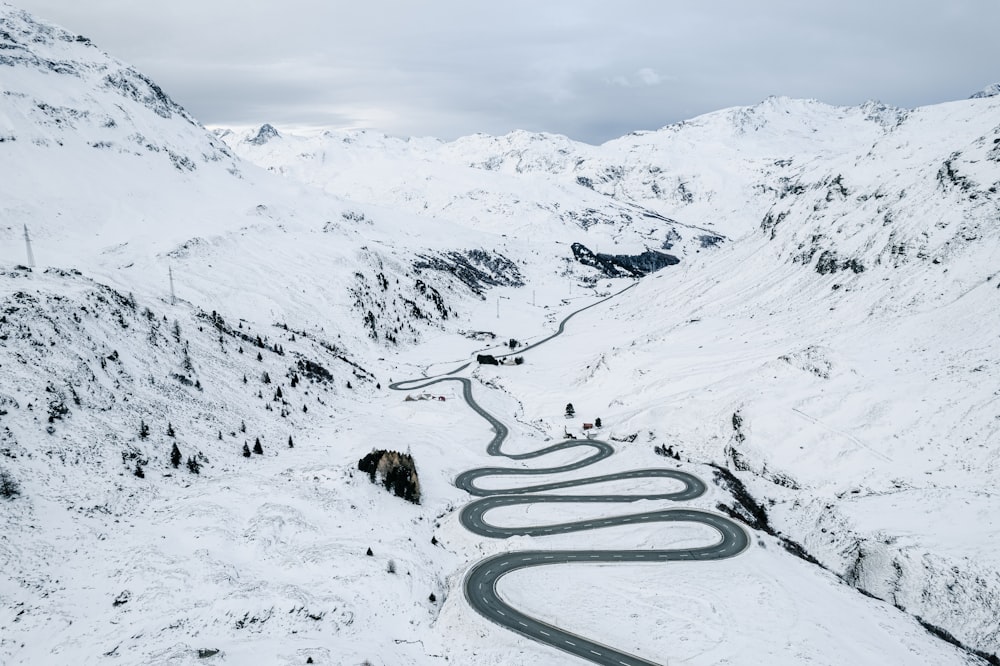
(588, 69)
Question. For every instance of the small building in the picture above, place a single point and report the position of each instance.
(588, 426)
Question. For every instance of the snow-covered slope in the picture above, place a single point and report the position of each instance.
(827, 339)
(848, 325)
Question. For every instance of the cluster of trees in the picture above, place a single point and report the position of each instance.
(397, 472)
(195, 462)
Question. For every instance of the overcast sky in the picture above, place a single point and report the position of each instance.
(591, 70)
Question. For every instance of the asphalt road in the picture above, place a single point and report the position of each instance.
(481, 581)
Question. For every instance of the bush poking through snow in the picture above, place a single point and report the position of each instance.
(246, 450)
(175, 456)
(397, 472)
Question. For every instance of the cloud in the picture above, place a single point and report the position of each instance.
(585, 68)
(648, 77)
(644, 76)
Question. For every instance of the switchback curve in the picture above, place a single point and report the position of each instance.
(481, 581)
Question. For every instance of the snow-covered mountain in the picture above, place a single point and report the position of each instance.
(820, 340)
(851, 312)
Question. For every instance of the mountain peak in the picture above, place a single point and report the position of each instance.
(991, 90)
(264, 134)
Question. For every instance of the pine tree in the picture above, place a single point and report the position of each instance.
(243, 426)
(257, 448)
(597, 422)
(220, 435)
(369, 553)
(278, 395)
(9, 487)
(291, 445)
(246, 450)
(170, 431)
(570, 411)
(175, 456)
(143, 430)
(193, 465)
(138, 471)
(432, 598)
(259, 357)
(349, 384)
(266, 378)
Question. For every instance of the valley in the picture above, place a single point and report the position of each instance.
(779, 321)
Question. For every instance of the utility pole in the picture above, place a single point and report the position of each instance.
(532, 297)
(27, 246)
(170, 272)
(498, 307)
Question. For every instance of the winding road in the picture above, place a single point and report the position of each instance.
(481, 581)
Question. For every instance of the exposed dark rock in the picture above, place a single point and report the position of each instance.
(264, 134)
(476, 269)
(623, 265)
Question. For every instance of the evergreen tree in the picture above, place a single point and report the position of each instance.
(138, 471)
(193, 465)
(278, 395)
(175, 456)
(257, 448)
(143, 430)
(170, 431)
(9, 487)
(266, 378)
(349, 384)
(246, 450)
(291, 445)
(369, 553)
(259, 357)
(243, 426)
(304, 409)
(432, 598)
(570, 411)
(597, 422)
(220, 435)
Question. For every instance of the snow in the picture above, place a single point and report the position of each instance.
(866, 399)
